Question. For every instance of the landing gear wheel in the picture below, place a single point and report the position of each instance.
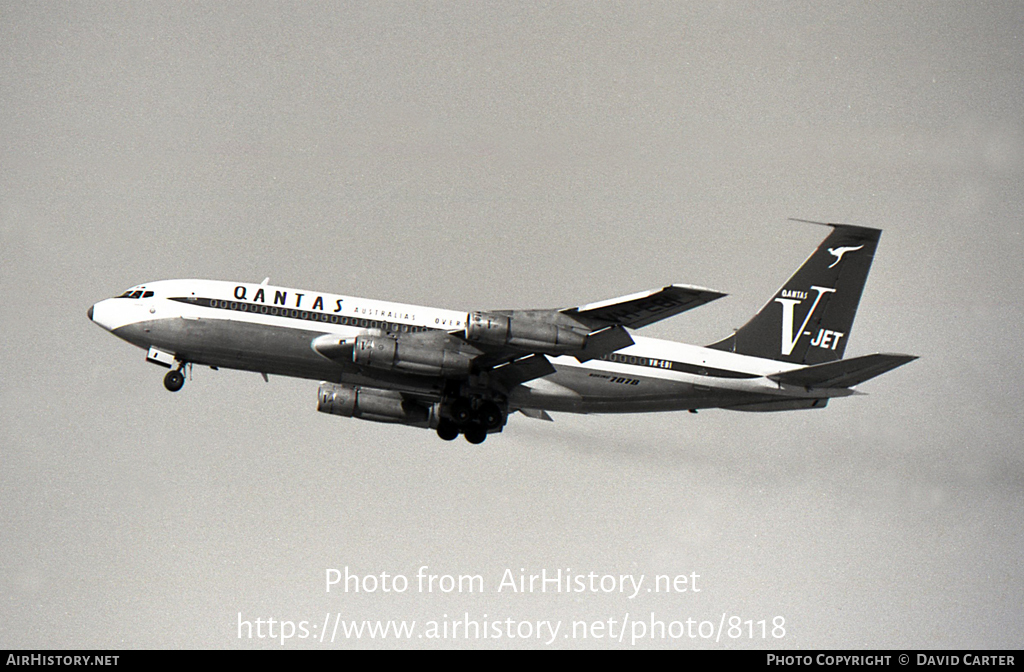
(476, 435)
(447, 430)
(174, 380)
(461, 411)
(490, 415)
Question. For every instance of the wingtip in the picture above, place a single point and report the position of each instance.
(707, 290)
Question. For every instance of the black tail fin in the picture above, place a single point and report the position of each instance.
(809, 319)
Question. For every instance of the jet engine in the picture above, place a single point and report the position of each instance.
(517, 332)
(371, 403)
(382, 352)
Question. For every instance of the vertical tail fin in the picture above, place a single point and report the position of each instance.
(809, 319)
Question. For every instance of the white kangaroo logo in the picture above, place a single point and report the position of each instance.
(838, 252)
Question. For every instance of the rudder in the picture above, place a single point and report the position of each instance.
(809, 319)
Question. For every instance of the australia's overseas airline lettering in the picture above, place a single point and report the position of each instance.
(288, 303)
(297, 314)
(280, 298)
(392, 314)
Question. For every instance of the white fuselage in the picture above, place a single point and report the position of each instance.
(270, 329)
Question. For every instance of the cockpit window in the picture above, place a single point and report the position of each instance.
(147, 295)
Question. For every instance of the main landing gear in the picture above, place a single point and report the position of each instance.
(447, 430)
(473, 423)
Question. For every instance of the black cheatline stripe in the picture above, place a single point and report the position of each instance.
(297, 314)
(676, 366)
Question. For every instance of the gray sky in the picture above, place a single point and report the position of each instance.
(481, 156)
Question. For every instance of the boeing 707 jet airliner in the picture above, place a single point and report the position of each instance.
(466, 372)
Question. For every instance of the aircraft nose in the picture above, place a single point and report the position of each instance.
(107, 316)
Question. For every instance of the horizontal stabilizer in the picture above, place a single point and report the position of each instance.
(643, 308)
(843, 373)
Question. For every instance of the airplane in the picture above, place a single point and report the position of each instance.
(464, 373)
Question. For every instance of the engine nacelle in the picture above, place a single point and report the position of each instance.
(371, 403)
(516, 332)
(382, 352)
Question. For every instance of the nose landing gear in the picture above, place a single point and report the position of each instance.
(174, 380)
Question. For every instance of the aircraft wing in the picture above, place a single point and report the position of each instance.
(510, 347)
(643, 308)
(585, 332)
(516, 372)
